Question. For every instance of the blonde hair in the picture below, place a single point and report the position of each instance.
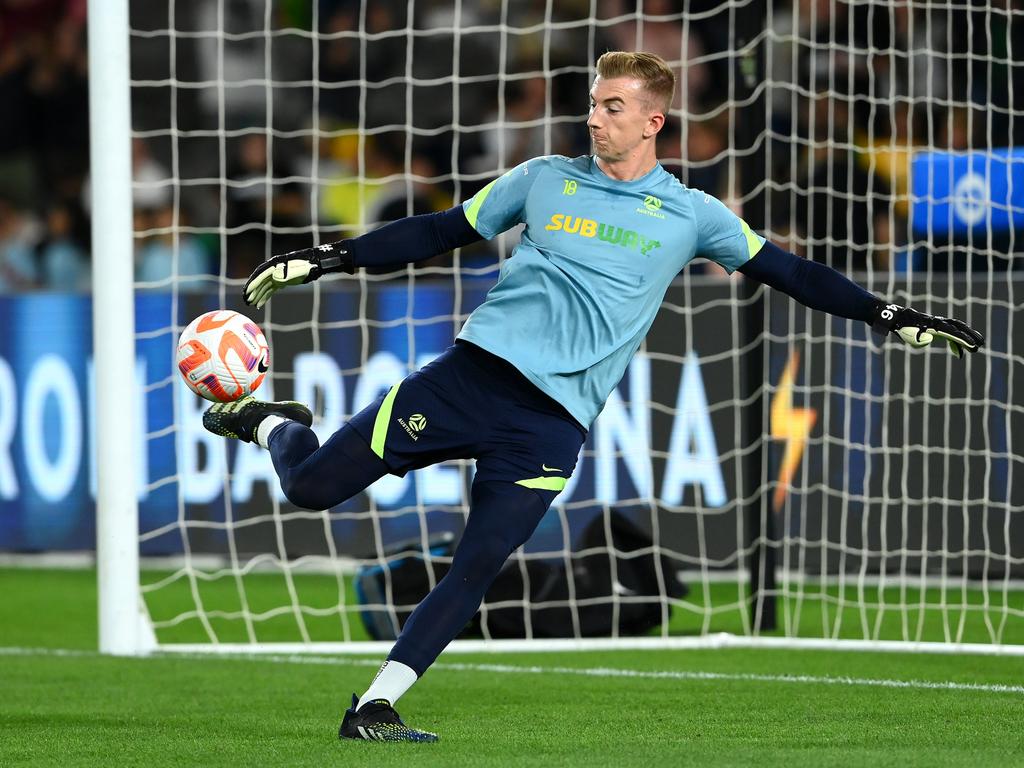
(650, 69)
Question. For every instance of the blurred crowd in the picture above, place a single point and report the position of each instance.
(252, 144)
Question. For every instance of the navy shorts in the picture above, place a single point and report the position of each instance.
(470, 404)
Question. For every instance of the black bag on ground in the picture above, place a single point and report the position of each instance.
(634, 581)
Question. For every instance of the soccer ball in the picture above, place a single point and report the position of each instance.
(223, 355)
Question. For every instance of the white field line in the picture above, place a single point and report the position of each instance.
(512, 669)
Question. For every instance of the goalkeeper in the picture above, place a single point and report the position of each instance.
(604, 236)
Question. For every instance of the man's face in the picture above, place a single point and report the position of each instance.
(620, 119)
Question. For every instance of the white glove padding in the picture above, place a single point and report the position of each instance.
(919, 330)
(295, 268)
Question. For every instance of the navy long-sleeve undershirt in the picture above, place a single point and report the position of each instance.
(413, 239)
(420, 237)
(812, 284)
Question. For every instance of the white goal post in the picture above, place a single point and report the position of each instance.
(764, 474)
(123, 625)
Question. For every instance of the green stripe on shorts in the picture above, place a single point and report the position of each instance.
(380, 424)
(544, 483)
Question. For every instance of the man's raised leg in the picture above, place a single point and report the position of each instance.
(315, 476)
(312, 476)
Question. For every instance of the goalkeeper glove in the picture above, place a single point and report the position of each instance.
(296, 268)
(919, 330)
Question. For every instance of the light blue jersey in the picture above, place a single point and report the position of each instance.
(576, 298)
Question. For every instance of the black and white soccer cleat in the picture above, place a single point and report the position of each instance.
(239, 419)
(377, 721)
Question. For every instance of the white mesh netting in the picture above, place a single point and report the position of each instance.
(750, 435)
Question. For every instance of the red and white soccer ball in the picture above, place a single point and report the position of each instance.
(223, 355)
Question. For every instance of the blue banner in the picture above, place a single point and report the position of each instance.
(670, 448)
(954, 193)
(191, 483)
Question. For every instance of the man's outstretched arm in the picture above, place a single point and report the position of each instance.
(820, 287)
(401, 242)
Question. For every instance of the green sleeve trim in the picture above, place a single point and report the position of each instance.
(754, 242)
(474, 205)
(544, 483)
(380, 424)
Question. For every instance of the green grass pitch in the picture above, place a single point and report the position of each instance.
(63, 704)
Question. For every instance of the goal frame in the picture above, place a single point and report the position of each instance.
(124, 625)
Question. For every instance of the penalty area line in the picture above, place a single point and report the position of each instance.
(598, 672)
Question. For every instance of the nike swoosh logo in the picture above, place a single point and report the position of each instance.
(263, 365)
(546, 468)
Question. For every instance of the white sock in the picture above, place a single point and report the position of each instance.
(266, 427)
(393, 679)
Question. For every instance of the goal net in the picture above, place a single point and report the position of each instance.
(762, 470)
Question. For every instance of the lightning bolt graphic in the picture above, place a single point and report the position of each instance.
(790, 424)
